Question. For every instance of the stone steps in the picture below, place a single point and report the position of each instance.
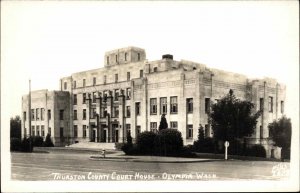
(93, 145)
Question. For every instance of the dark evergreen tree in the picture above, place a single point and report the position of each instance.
(163, 123)
(15, 127)
(48, 142)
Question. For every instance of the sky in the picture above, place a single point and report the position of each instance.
(46, 40)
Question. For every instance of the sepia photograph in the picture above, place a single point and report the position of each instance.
(149, 96)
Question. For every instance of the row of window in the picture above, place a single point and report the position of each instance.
(104, 80)
(174, 105)
(39, 130)
(37, 114)
(125, 57)
(270, 105)
(94, 96)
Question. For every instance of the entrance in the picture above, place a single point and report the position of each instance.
(104, 136)
(117, 136)
(93, 135)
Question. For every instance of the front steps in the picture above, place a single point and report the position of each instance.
(94, 145)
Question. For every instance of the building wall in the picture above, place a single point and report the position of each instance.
(147, 80)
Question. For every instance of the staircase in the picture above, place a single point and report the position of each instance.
(93, 145)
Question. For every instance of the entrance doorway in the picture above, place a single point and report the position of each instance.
(93, 135)
(104, 136)
(117, 136)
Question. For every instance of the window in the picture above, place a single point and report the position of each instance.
(128, 76)
(24, 115)
(83, 98)
(128, 93)
(155, 69)
(49, 114)
(116, 94)
(116, 58)
(163, 105)
(138, 129)
(153, 106)
(43, 130)
(84, 131)
(261, 104)
(139, 56)
(42, 114)
(65, 85)
(49, 130)
(83, 82)
(94, 97)
(127, 111)
(141, 73)
(104, 79)
(32, 114)
(103, 112)
(153, 126)
(174, 105)
(270, 104)
(115, 111)
(207, 105)
(128, 129)
(125, 56)
(189, 104)
(38, 130)
(94, 81)
(75, 131)
(107, 60)
(206, 131)
(61, 132)
(75, 99)
(137, 108)
(116, 77)
(189, 131)
(37, 114)
(174, 125)
(61, 115)
(84, 114)
(93, 113)
(33, 130)
(75, 115)
(74, 84)
(282, 106)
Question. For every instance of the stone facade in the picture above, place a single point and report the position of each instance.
(130, 93)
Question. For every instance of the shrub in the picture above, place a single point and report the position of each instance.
(205, 145)
(131, 149)
(119, 146)
(256, 150)
(145, 142)
(38, 141)
(27, 145)
(168, 142)
(236, 148)
(15, 144)
(48, 142)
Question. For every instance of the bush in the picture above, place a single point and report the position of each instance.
(27, 145)
(256, 150)
(119, 146)
(236, 148)
(38, 141)
(48, 142)
(168, 142)
(205, 145)
(15, 144)
(145, 142)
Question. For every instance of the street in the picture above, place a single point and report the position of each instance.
(76, 165)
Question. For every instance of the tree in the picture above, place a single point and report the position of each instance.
(232, 118)
(163, 123)
(281, 133)
(48, 142)
(15, 127)
(200, 133)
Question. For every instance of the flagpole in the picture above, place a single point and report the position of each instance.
(29, 108)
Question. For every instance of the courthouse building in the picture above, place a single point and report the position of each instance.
(129, 95)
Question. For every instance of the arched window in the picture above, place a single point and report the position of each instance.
(155, 69)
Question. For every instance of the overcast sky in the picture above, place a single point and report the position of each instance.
(47, 40)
